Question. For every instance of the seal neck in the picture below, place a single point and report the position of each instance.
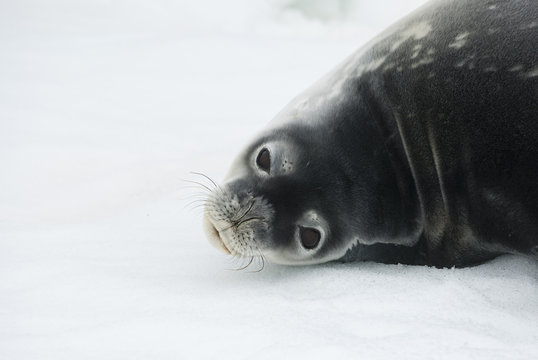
(397, 205)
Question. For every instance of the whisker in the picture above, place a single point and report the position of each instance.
(246, 212)
(193, 196)
(183, 187)
(207, 177)
(262, 260)
(199, 194)
(199, 206)
(234, 258)
(247, 220)
(198, 200)
(198, 183)
(202, 201)
(247, 265)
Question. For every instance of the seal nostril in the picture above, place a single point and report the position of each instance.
(310, 237)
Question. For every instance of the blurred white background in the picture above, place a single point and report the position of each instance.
(106, 105)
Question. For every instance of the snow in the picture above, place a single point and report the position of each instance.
(106, 107)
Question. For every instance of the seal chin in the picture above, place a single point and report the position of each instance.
(213, 235)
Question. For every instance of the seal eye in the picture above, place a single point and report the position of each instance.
(309, 237)
(264, 160)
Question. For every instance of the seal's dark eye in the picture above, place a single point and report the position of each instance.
(264, 160)
(309, 237)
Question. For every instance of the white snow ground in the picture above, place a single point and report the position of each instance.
(105, 107)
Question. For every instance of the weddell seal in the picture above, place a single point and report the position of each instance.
(420, 148)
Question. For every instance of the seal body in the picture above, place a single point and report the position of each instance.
(420, 148)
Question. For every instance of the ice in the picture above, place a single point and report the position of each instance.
(106, 107)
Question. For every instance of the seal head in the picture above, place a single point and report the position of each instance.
(293, 196)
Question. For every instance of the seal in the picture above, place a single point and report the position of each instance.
(420, 148)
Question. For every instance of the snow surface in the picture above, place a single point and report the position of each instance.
(106, 106)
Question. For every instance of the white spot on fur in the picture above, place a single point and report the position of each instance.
(417, 31)
(516, 68)
(416, 51)
(461, 63)
(530, 25)
(336, 89)
(491, 68)
(532, 73)
(492, 7)
(459, 41)
(421, 62)
(389, 66)
(395, 45)
(467, 61)
(371, 66)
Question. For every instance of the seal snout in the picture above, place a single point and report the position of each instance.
(236, 223)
